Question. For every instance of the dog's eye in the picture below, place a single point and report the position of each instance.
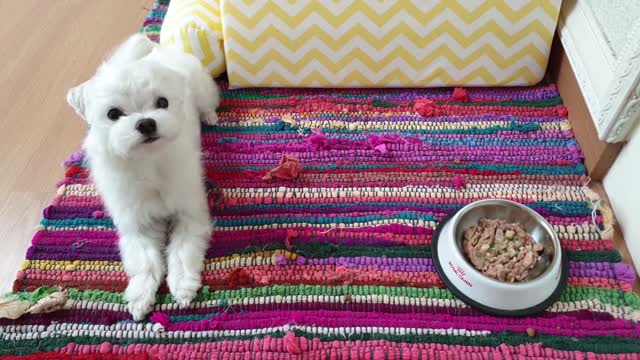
(114, 113)
(162, 103)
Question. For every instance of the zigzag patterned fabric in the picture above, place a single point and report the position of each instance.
(195, 26)
(374, 43)
(333, 261)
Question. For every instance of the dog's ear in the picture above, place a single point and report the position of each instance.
(76, 97)
(134, 48)
(203, 88)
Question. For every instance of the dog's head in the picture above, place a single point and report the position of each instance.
(134, 104)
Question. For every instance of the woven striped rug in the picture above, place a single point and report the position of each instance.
(335, 262)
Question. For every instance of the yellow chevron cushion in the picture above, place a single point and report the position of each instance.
(195, 26)
(344, 43)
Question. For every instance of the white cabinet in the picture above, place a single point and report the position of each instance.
(602, 41)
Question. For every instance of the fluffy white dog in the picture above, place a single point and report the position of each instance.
(143, 107)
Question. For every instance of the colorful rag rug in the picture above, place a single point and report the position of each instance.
(333, 260)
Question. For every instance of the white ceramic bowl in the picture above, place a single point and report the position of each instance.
(543, 287)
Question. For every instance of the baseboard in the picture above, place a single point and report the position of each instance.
(598, 155)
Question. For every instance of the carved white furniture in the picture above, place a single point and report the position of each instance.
(601, 40)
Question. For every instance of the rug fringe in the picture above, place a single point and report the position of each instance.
(599, 207)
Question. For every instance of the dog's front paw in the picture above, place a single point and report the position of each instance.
(209, 119)
(139, 308)
(183, 288)
(140, 298)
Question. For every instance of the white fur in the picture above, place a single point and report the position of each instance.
(147, 186)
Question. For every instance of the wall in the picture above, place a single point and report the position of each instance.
(622, 184)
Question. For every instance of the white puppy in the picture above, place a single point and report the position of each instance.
(143, 107)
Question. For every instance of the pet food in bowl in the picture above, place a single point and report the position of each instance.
(520, 287)
(503, 251)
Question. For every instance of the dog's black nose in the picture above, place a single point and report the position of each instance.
(146, 127)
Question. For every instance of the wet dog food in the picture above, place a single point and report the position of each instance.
(501, 250)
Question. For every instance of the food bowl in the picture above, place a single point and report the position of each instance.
(538, 291)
